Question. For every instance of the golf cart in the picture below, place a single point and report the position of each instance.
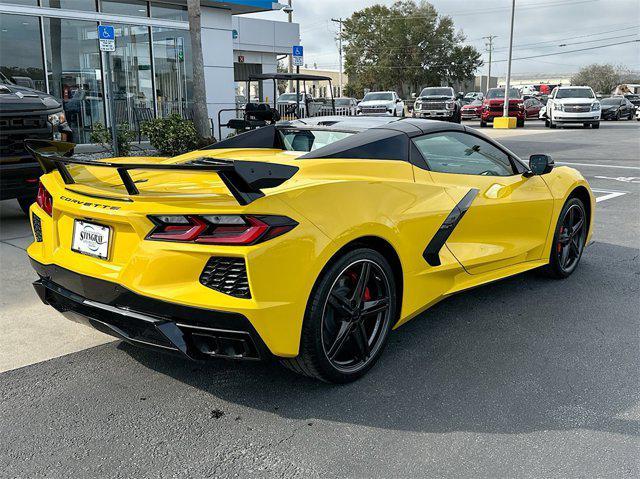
(287, 106)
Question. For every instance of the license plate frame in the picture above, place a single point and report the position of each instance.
(89, 246)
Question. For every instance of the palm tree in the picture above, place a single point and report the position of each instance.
(200, 114)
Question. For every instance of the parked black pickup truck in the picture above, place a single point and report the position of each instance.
(25, 113)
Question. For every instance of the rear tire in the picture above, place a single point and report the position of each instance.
(596, 125)
(520, 123)
(340, 341)
(569, 240)
(483, 124)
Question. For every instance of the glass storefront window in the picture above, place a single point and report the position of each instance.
(131, 74)
(173, 71)
(83, 5)
(169, 12)
(73, 65)
(29, 3)
(136, 8)
(23, 66)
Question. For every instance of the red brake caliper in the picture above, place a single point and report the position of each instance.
(559, 243)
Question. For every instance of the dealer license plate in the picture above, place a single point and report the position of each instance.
(91, 239)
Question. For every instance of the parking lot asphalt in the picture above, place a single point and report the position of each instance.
(527, 377)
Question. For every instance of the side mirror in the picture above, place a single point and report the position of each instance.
(540, 164)
(398, 100)
(459, 95)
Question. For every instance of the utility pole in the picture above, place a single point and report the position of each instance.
(339, 21)
(489, 46)
(505, 110)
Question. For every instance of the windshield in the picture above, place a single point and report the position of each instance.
(475, 103)
(436, 92)
(497, 93)
(290, 97)
(574, 93)
(378, 96)
(309, 140)
(343, 101)
(4, 79)
(611, 101)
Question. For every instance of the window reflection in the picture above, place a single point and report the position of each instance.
(131, 74)
(173, 71)
(136, 8)
(24, 65)
(83, 5)
(73, 64)
(169, 12)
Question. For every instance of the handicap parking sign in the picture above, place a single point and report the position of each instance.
(298, 54)
(107, 38)
(106, 32)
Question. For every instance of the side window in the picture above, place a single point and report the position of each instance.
(463, 154)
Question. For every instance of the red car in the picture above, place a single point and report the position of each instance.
(494, 103)
(472, 110)
(532, 108)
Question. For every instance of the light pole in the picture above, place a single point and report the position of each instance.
(505, 109)
(289, 11)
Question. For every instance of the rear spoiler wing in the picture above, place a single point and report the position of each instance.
(244, 179)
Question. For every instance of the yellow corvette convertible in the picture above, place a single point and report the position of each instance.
(307, 240)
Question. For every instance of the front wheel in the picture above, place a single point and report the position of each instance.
(348, 319)
(483, 124)
(520, 123)
(569, 239)
(595, 125)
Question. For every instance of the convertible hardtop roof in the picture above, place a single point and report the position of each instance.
(288, 76)
(373, 138)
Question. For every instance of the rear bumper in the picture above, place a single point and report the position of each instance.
(192, 332)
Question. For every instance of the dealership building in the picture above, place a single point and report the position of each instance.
(52, 46)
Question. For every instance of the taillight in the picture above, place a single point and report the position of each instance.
(219, 229)
(44, 199)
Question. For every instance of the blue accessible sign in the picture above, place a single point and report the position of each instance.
(107, 38)
(298, 55)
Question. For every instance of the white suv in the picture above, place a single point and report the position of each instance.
(381, 103)
(573, 104)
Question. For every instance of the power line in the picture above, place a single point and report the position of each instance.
(500, 61)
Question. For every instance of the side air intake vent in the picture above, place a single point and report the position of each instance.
(227, 275)
(37, 227)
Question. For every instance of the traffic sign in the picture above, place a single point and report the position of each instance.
(298, 55)
(107, 38)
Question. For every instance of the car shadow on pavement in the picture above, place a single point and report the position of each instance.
(521, 355)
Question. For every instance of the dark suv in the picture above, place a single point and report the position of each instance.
(440, 103)
(25, 113)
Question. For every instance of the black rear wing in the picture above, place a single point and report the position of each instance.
(244, 179)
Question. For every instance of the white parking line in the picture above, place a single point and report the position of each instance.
(609, 194)
(599, 166)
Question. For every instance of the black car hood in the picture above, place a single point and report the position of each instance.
(15, 98)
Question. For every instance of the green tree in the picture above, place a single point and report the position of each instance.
(405, 47)
(601, 78)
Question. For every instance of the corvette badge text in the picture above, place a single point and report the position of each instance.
(88, 203)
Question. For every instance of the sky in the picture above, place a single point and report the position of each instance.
(541, 27)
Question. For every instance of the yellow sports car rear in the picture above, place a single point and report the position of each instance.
(304, 241)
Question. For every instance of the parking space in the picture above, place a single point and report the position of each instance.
(527, 377)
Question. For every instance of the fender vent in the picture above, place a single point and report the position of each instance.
(227, 275)
(37, 227)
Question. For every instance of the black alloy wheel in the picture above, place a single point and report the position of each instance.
(348, 319)
(569, 240)
(356, 316)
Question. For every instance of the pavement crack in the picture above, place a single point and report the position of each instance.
(11, 244)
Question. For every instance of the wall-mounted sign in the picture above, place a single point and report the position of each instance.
(240, 58)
